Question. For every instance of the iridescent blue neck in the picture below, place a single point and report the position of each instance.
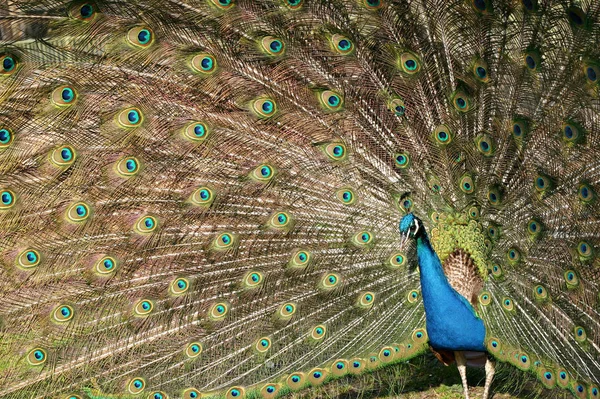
(451, 320)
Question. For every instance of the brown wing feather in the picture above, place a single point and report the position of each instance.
(462, 274)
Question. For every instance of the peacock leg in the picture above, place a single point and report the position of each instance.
(461, 363)
(490, 369)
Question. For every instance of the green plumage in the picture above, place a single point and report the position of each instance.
(203, 196)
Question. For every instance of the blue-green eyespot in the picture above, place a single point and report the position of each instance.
(396, 105)
(272, 45)
(143, 307)
(202, 196)
(63, 313)
(136, 385)
(264, 107)
(7, 199)
(193, 350)
(64, 96)
(130, 117)
(106, 265)
(204, 63)
(336, 151)
(318, 332)
(140, 36)
(78, 212)
(341, 44)
(37, 356)
(179, 286)
(196, 131)
(63, 156)
(29, 258)
(409, 63)
(218, 311)
(146, 224)
(331, 100)
(9, 64)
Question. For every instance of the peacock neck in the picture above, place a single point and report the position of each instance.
(451, 321)
(429, 263)
(434, 283)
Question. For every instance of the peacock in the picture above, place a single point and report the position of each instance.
(259, 198)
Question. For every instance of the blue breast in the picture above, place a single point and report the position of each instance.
(451, 320)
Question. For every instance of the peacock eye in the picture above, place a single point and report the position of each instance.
(140, 37)
(204, 63)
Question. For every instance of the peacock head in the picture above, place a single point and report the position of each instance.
(410, 227)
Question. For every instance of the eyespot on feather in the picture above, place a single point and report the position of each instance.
(84, 10)
(9, 64)
(63, 96)
(281, 220)
(461, 101)
(397, 107)
(293, 4)
(397, 259)
(270, 391)
(286, 311)
(146, 225)
(37, 357)
(481, 71)
(485, 298)
(263, 173)
(106, 265)
(63, 313)
(341, 44)
(140, 37)
(336, 151)
(157, 395)
(340, 367)
(136, 385)
(262, 345)
(196, 132)
(532, 60)
(409, 63)
(366, 300)
(193, 350)
(372, 4)
(7, 199)
(143, 307)
(264, 107)
(331, 100)
(272, 46)
(466, 184)
(218, 311)
(223, 4)
(63, 156)
(204, 63)
(318, 332)
(130, 117)
(191, 393)
(330, 281)
(78, 212)
(224, 241)
(202, 196)
(6, 138)
(442, 135)
(253, 279)
(179, 286)
(362, 239)
(346, 196)
(317, 376)
(28, 259)
(300, 259)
